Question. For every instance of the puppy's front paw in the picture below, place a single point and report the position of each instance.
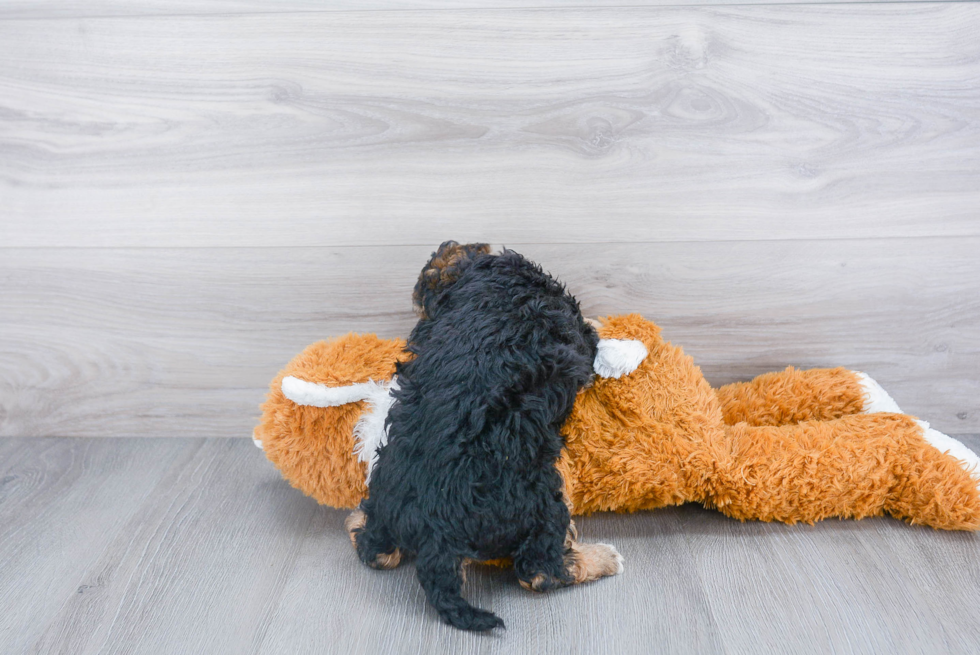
(587, 562)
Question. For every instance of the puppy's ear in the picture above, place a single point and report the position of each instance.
(442, 270)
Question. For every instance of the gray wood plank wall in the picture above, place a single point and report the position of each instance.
(115, 8)
(190, 195)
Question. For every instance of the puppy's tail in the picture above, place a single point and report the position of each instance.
(441, 578)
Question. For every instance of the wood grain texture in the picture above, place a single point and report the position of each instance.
(213, 552)
(838, 587)
(212, 548)
(389, 127)
(61, 502)
(160, 342)
(60, 9)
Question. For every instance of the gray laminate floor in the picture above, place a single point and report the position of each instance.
(197, 546)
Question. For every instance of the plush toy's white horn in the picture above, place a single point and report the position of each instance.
(618, 357)
(369, 431)
(315, 394)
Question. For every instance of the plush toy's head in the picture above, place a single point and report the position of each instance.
(323, 420)
(316, 424)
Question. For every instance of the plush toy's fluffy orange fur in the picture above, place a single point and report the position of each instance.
(790, 446)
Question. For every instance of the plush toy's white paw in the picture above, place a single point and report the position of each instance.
(876, 399)
(257, 442)
(968, 459)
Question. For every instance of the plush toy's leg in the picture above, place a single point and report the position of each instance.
(793, 395)
(855, 466)
(954, 447)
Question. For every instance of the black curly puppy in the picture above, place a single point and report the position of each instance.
(468, 471)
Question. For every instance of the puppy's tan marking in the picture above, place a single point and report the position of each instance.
(354, 524)
(571, 535)
(443, 269)
(536, 583)
(388, 560)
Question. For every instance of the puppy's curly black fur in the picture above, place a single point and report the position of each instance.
(469, 468)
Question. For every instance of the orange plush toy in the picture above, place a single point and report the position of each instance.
(651, 432)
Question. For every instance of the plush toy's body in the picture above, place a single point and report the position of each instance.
(791, 446)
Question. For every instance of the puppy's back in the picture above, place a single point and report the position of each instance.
(469, 468)
(496, 369)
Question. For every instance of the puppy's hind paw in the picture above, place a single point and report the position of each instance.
(619, 558)
(587, 562)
